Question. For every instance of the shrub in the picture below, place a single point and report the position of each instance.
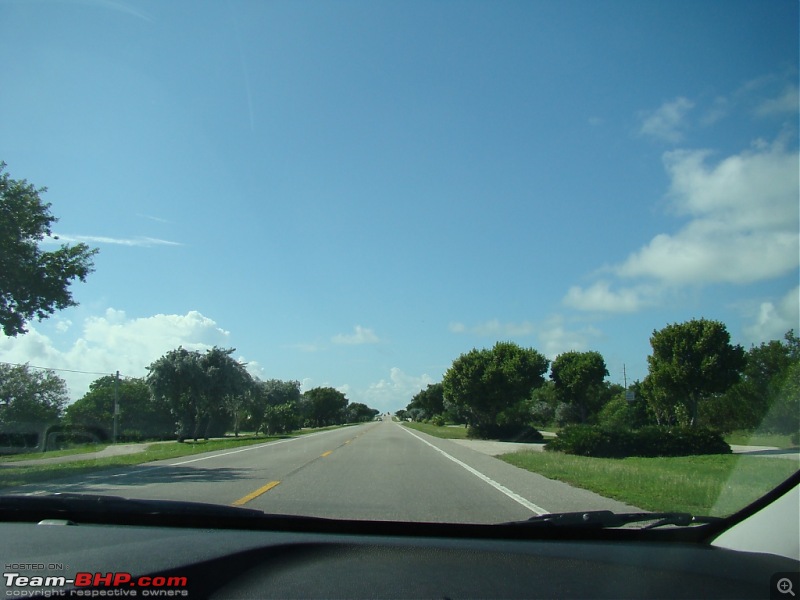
(438, 420)
(600, 442)
(510, 432)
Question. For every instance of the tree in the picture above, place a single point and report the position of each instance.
(272, 393)
(578, 378)
(225, 385)
(766, 397)
(488, 385)
(429, 401)
(175, 380)
(690, 362)
(139, 416)
(280, 418)
(33, 283)
(357, 412)
(326, 406)
(30, 396)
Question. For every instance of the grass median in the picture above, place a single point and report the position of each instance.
(703, 485)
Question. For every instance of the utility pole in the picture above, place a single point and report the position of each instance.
(116, 407)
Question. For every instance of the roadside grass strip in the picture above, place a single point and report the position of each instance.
(448, 433)
(715, 485)
(13, 476)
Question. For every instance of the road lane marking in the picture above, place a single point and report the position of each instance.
(501, 488)
(328, 453)
(256, 494)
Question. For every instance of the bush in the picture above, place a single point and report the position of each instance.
(510, 432)
(600, 442)
(438, 420)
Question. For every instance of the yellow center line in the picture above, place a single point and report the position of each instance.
(255, 494)
(326, 453)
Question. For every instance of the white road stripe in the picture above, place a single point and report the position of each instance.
(501, 488)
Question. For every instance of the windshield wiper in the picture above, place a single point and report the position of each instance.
(602, 519)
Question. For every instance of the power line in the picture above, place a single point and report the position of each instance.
(62, 370)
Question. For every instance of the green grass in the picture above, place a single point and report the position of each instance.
(703, 485)
(16, 476)
(83, 449)
(749, 438)
(450, 433)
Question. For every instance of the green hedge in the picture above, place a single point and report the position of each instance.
(507, 432)
(588, 440)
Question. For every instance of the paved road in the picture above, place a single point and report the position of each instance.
(378, 470)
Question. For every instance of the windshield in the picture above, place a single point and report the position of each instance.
(467, 262)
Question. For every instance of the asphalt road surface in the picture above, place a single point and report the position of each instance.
(374, 471)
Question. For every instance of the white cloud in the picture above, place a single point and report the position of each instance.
(360, 335)
(145, 242)
(494, 328)
(743, 220)
(774, 320)
(743, 226)
(666, 122)
(394, 392)
(600, 297)
(787, 103)
(113, 342)
(555, 338)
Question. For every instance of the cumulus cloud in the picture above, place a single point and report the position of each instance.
(774, 319)
(743, 219)
(556, 337)
(396, 391)
(113, 342)
(667, 122)
(360, 335)
(601, 297)
(742, 226)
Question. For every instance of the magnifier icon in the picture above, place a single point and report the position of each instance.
(784, 586)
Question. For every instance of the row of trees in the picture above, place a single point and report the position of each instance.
(188, 394)
(695, 377)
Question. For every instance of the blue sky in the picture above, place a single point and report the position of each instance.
(353, 193)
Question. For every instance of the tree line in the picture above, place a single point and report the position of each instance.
(185, 394)
(696, 377)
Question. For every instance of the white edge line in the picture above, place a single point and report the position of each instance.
(501, 488)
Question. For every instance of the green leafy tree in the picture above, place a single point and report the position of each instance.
(429, 401)
(578, 378)
(766, 398)
(488, 385)
(280, 418)
(30, 396)
(357, 412)
(176, 381)
(139, 416)
(326, 406)
(226, 382)
(271, 393)
(33, 283)
(690, 362)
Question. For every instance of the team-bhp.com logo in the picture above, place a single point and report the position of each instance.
(94, 585)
